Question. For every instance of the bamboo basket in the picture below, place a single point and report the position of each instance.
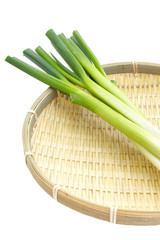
(86, 164)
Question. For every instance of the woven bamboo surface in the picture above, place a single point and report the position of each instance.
(92, 161)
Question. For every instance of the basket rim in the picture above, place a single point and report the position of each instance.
(123, 216)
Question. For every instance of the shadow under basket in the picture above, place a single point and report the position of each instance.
(86, 164)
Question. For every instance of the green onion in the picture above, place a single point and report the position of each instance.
(74, 75)
(65, 52)
(83, 45)
(39, 61)
(103, 97)
(61, 85)
(70, 76)
(75, 41)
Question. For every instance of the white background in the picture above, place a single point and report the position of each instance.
(117, 31)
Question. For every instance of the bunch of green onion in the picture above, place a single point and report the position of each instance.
(102, 97)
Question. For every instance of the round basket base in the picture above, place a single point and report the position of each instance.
(86, 164)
